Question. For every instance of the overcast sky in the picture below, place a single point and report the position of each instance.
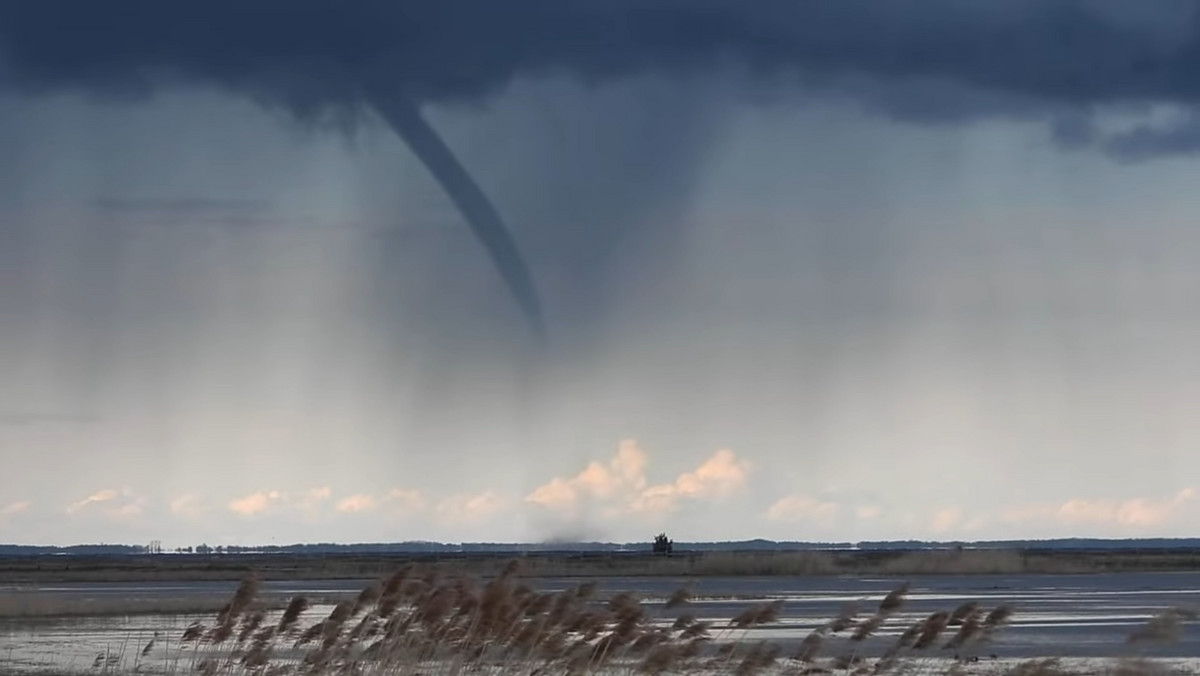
(828, 271)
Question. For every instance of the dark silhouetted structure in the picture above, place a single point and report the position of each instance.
(663, 545)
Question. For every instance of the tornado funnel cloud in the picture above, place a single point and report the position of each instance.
(481, 216)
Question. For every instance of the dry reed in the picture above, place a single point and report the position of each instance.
(419, 621)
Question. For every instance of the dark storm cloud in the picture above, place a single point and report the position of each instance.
(927, 61)
(1147, 141)
(314, 53)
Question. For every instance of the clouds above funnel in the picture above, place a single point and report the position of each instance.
(315, 56)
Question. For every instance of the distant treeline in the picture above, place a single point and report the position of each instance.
(1055, 544)
(568, 547)
(77, 550)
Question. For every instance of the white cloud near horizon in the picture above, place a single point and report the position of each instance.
(404, 501)
(620, 489)
(946, 519)
(113, 503)
(1070, 517)
(1135, 512)
(625, 472)
(398, 502)
(360, 502)
(189, 506)
(620, 486)
(309, 502)
(254, 503)
(105, 495)
(470, 508)
(867, 512)
(802, 508)
(15, 508)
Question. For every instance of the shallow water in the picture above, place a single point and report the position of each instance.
(1075, 616)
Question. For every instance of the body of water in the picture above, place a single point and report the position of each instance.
(1072, 616)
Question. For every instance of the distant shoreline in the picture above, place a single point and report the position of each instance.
(21, 570)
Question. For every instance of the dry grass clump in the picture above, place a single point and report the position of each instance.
(1164, 627)
(1053, 666)
(712, 563)
(762, 563)
(422, 621)
(1050, 666)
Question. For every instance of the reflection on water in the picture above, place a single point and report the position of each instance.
(82, 643)
(1067, 616)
